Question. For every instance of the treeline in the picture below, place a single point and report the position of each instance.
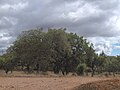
(57, 51)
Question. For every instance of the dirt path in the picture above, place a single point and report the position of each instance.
(43, 83)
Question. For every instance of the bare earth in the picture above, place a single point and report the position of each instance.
(112, 84)
(44, 83)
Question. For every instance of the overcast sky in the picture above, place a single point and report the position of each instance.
(96, 20)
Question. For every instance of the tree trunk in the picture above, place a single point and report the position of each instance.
(38, 68)
(93, 72)
(113, 73)
(28, 68)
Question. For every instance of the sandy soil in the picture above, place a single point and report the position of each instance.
(43, 83)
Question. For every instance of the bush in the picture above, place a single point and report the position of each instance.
(81, 69)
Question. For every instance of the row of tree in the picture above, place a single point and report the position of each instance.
(57, 51)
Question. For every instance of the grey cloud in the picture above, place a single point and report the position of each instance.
(89, 18)
(11, 2)
(37, 14)
(105, 4)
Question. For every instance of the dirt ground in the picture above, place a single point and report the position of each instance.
(44, 83)
(113, 84)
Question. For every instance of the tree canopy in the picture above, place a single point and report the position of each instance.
(58, 51)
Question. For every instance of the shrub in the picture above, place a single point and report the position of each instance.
(81, 69)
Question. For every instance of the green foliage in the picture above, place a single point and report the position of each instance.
(2, 60)
(81, 69)
(112, 65)
(56, 50)
(79, 50)
(60, 49)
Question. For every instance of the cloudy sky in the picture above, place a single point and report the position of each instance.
(96, 20)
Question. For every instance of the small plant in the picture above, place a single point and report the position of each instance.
(81, 69)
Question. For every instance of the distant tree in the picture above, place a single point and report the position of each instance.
(2, 60)
(91, 58)
(79, 47)
(112, 65)
(28, 49)
(54, 50)
(8, 63)
(60, 49)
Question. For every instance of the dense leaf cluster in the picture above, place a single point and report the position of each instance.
(57, 51)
